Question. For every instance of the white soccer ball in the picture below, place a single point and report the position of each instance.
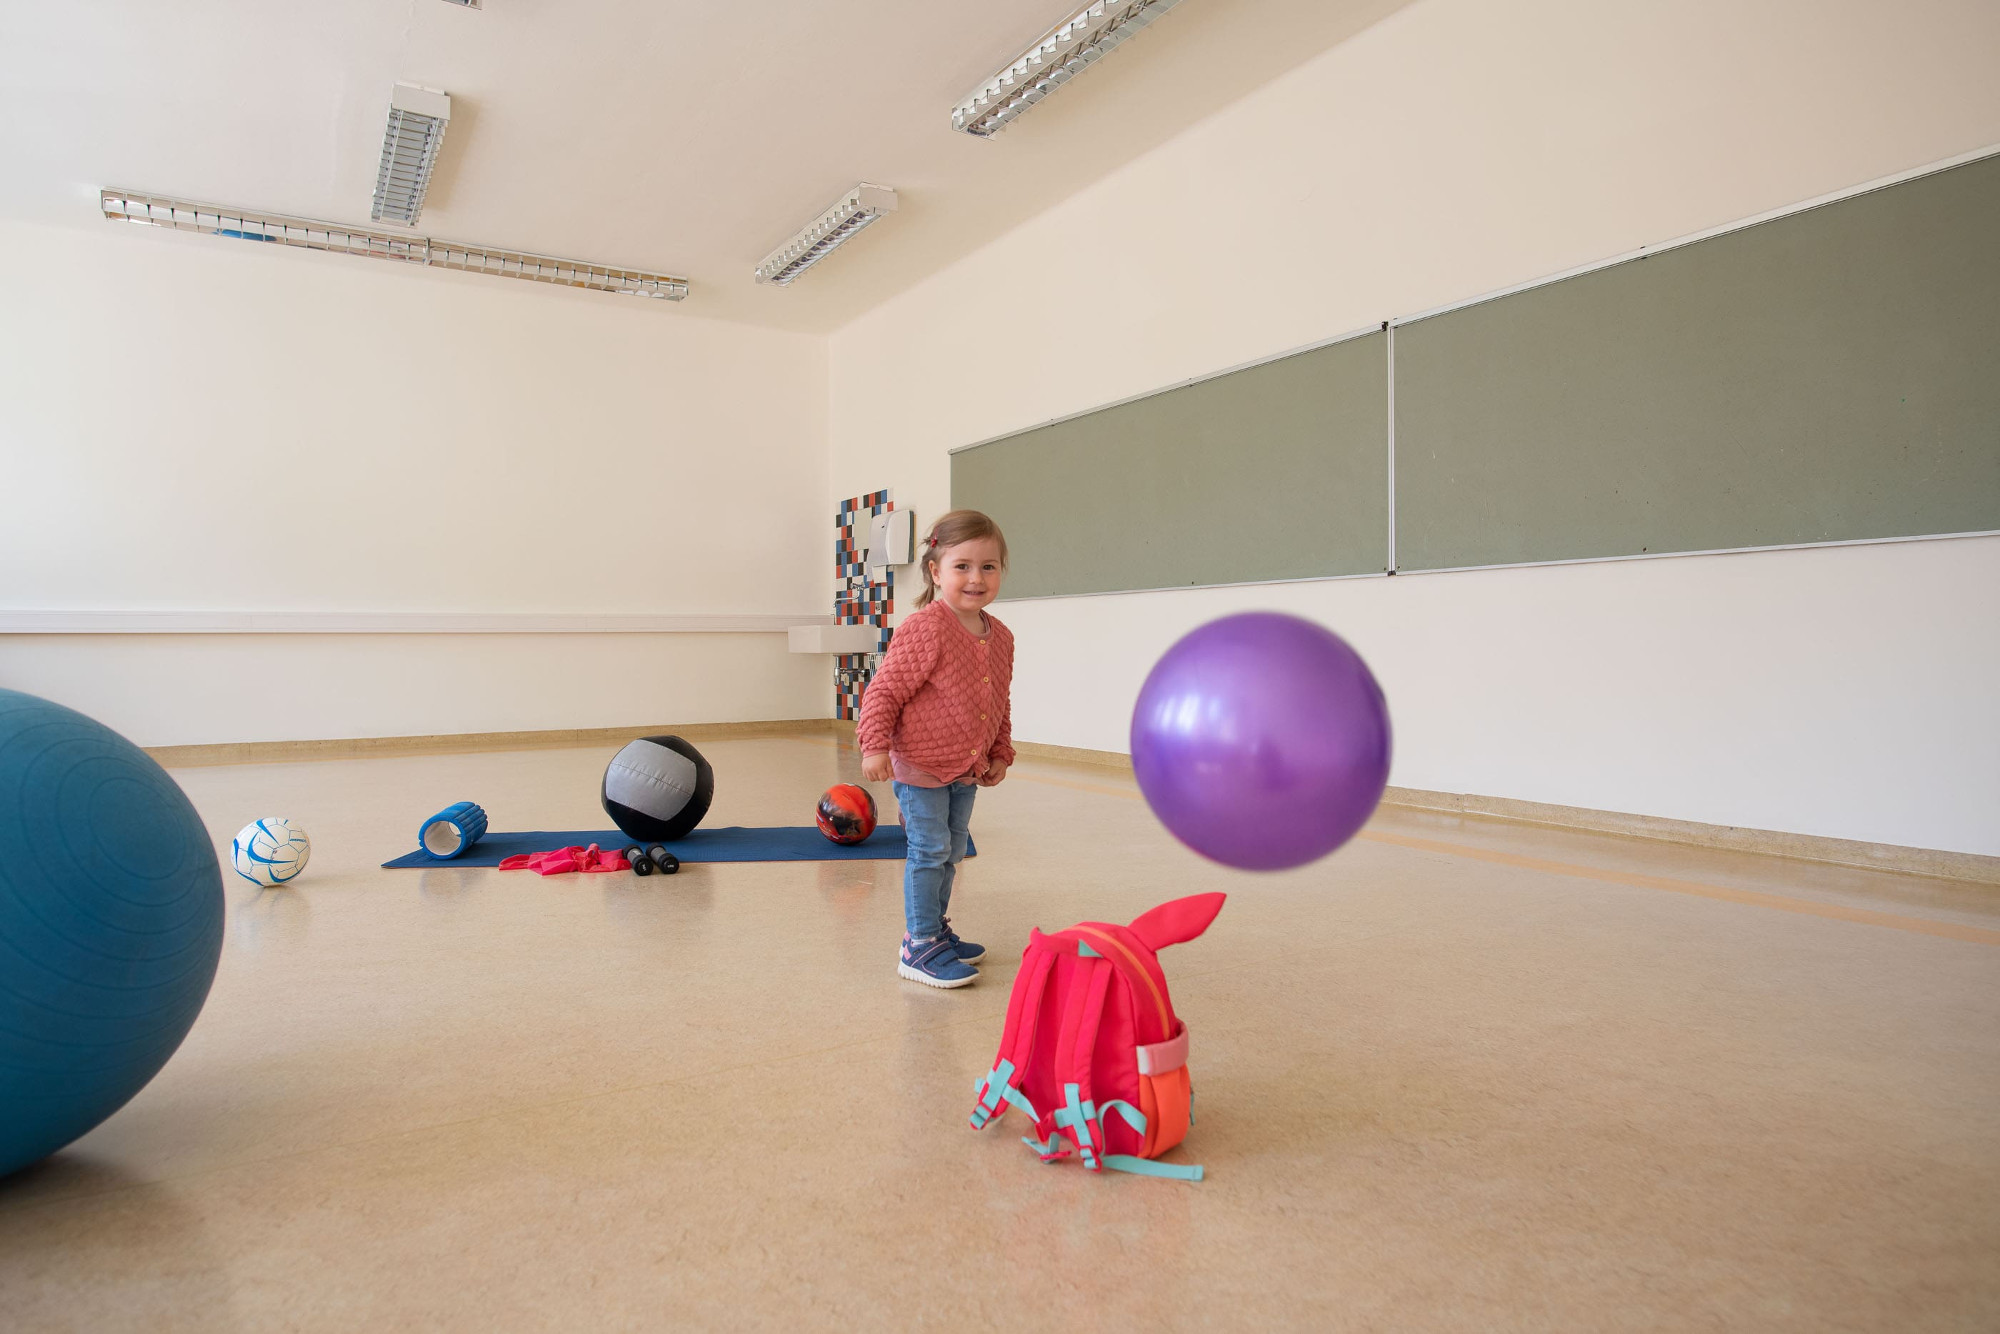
(270, 852)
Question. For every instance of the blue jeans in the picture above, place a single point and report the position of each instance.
(938, 822)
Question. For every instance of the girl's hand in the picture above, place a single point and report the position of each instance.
(876, 768)
(995, 771)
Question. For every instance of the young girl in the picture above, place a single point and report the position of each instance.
(935, 718)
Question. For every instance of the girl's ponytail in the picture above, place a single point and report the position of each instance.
(949, 531)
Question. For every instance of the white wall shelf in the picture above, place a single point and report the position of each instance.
(833, 638)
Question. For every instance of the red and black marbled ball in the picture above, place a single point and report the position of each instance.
(846, 813)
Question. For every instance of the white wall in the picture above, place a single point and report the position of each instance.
(1841, 691)
(1456, 148)
(188, 424)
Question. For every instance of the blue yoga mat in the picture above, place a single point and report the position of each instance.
(803, 843)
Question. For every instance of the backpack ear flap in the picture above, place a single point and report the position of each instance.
(1172, 923)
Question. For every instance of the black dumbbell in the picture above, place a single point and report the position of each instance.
(640, 864)
(666, 861)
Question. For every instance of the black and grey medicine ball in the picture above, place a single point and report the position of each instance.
(657, 789)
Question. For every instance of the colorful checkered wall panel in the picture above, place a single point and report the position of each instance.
(859, 599)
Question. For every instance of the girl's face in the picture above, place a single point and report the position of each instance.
(968, 575)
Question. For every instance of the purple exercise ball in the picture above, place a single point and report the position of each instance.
(1261, 741)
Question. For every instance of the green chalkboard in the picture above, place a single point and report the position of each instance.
(1830, 375)
(1278, 471)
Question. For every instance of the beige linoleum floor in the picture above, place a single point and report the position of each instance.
(1463, 1075)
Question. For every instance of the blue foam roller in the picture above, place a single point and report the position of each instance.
(452, 831)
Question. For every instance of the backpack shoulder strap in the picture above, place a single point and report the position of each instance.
(1149, 1167)
(1073, 1061)
(1146, 992)
(1017, 1040)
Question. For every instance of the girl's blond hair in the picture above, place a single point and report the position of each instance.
(951, 530)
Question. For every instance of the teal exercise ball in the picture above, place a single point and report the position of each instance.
(110, 923)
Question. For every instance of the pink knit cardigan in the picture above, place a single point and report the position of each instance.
(939, 700)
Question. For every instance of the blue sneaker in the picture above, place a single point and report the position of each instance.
(967, 951)
(934, 963)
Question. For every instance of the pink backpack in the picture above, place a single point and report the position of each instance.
(1093, 1052)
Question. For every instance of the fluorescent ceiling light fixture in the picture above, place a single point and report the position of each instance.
(125, 206)
(826, 233)
(1072, 46)
(410, 143)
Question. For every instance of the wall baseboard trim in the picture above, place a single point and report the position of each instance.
(1892, 857)
(1103, 759)
(1965, 866)
(392, 623)
(348, 748)
(1962, 866)
(1036, 750)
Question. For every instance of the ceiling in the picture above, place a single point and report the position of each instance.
(685, 136)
